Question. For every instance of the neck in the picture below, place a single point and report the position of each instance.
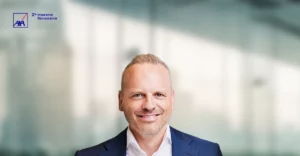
(150, 143)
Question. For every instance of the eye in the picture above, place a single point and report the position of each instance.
(159, 95)
(137, 96)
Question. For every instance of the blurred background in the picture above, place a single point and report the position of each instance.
(235, 66)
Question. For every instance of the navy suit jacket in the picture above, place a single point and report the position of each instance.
(182, 145)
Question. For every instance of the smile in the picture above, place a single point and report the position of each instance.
(148, 118)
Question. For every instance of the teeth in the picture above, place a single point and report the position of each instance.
(148, 116)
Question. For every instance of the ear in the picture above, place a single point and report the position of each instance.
(120, 97)
(172, 99)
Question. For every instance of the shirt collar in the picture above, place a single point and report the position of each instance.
(131, 139)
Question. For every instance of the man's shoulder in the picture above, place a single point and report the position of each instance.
(103, 148)
(94, 150)
(196, 141)
(204, 147)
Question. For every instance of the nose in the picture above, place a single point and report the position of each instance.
(148, 105)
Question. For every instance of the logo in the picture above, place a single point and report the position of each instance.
(20, 20)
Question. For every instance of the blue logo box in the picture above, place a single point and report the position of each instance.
(20, 20)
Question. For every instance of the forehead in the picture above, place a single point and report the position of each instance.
(147, 76)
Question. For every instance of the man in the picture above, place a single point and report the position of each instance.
(146, 98)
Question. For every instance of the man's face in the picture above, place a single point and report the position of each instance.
(147, 98)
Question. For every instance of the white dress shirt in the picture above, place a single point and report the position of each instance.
(133, 148)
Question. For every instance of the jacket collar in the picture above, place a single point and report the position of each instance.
(181, 144)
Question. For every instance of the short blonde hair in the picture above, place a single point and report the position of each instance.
(141, 59)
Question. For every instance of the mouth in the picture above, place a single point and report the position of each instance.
(148, 117)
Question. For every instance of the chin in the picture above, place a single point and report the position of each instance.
(149, 129)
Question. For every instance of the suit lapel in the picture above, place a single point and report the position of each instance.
(117, 146)
(181, 144)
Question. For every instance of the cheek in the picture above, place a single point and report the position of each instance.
(165, 105)
(127, 109)
(130, 108)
